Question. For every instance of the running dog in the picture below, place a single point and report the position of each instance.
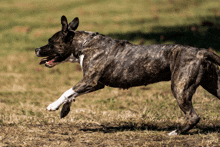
(118, 63)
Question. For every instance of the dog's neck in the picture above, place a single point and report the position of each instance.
(89, 39)
(81, 40)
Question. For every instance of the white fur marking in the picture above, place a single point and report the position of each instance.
(71, 58)
(38, 53)
(81, 57)
(173, 133)
(66, 96)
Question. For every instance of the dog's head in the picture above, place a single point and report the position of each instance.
(59, 47)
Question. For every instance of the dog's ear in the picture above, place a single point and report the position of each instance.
(64, 24)
(74, 24)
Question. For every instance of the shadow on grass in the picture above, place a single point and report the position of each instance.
(162, 126)
(202, 35)
(128, 126)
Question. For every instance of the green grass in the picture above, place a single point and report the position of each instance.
(140, 116)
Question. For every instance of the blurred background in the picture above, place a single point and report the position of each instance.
(27, 24)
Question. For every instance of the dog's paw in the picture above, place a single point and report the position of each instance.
(53, 107)
(173, 133)
(65, 109)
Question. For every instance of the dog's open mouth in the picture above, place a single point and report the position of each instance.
(49, 61)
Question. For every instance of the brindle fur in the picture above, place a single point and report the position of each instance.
(118, 63)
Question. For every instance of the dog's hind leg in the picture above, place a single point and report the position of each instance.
(185, 104)
(184, 82)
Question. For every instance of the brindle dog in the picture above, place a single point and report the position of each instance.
(118, 63)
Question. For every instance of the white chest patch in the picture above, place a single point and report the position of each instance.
(81, 57)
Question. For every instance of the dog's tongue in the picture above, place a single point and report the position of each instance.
(45, 61)
(50, 62)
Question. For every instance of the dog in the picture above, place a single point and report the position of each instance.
(118, 63)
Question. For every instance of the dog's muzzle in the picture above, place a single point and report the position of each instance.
(49, 61)
(37, 52)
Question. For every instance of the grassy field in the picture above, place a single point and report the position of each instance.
(141, 116)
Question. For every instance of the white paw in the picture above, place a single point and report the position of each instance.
(53, 107)
(173, 133)
(66, 97)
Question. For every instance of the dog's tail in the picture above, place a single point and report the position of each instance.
(210, 56)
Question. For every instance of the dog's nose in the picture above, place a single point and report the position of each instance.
(37, 51)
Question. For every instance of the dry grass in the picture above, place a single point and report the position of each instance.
(140, 116)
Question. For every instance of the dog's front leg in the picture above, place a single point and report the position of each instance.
(65, 109)
(66, 106)
(66, 97)
(82, 87)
